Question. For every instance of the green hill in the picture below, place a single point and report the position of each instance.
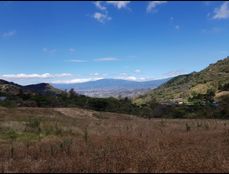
(214, 78)
(12, 89)
(43, 88)
(9, 88)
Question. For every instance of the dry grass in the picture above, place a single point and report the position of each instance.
(75, 140)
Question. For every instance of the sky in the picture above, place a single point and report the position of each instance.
(72, 42)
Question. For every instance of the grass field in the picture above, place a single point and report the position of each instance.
(76, 140)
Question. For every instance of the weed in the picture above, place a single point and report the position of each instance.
(206, 126)
(188, 127)
(34, 125)
(162, 123)
(86, 135)
(199, 124)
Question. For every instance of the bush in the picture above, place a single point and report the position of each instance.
(34, 125)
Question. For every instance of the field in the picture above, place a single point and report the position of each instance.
(76, 140)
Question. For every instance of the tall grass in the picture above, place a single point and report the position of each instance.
(118, 144)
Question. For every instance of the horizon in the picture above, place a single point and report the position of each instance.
(93, 81)
(75, 42)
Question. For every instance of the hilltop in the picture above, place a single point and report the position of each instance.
(12, 89)
(42, 88)
(9, 88)
(214, 78)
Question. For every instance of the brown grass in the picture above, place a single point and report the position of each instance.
(88, 141)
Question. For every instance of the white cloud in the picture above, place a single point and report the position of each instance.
(47, 50)
(78, 80)
(153, 4)
(137, 71)
(100, 17)
(106, 59)
(222, 12)
(76, 61)
(33, 76)
(71, 50)
(103, 17)
(99, 5)
(94, 74)
(177, 27)
(119, 4)
(8, 34)
(131, 78)
(126, 76)
(123, 74)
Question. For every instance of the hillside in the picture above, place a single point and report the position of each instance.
(42, 88)
(11, 89)
(213, 78)
(62, 140)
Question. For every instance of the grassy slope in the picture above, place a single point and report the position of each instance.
(181, 87)
(76, 140)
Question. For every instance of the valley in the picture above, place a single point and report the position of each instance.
(114, 87)
(181, 126)
(117, 88)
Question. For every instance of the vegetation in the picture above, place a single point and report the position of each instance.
(74, 140)
(196, 95)
(215, 78)
(42, 128)
(200, 105)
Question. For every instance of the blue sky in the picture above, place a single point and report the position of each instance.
(68, 42)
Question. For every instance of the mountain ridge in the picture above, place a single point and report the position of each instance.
(11, 88)
(182, 87)
(111, 84)
(112, 87)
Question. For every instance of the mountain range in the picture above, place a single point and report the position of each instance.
(178, 89)
(99, 88)
(112, 87)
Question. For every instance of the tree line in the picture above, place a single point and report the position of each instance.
(200, 105)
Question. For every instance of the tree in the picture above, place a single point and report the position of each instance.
(72, 93)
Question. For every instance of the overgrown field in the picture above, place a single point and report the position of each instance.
(76, 140)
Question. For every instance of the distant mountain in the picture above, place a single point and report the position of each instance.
(111, 84)
(111, 87)
(215, 77)
(10, 88)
